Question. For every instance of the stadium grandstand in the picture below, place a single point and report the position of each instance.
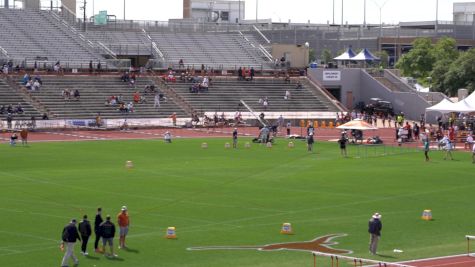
(90, 55)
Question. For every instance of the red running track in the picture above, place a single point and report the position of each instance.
(450, 261)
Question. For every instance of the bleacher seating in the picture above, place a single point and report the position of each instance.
(228, 50)
(122, 43)
(8, 96)
(94, 91)
(225, 95)
(37, 36)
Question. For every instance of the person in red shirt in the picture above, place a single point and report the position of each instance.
(136, 97)
(123, 222)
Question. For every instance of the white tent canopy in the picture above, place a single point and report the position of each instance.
(347, 55)
(365, 55)
(463, 106)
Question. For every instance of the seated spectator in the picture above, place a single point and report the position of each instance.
(299, 85)
(287, 95)
(2, 109)
(136, 97)
(19, 109)
(170, 77)
(112, 101)
(45, 116)
(181, 64)
(204, 85)
(120, 99)
(29, 85)
(123, 108)
(76, 95)
(287, 78)
(38, 78)
(10, 109)
(130, 107)
(66, 94)
(194, 88)
(36, 85)
(125, 77)
(149, 89)
(25, 79)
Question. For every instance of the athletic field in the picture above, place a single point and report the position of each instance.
(234, 199)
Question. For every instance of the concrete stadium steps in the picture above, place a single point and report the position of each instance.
(212, 49)
(94, 92)
(388, 84)
(28, 34)
(225, 95)
(9, 96)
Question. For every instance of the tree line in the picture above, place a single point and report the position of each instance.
(441, 65)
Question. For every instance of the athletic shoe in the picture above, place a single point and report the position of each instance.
(85, 253)
(115, 255)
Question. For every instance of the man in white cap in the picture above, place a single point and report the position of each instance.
(374, 229)
(123, 221)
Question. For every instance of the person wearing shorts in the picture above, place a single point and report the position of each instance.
(107, 231)
(123, 221)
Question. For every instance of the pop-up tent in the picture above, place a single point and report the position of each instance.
(357, 124)
(347, 55)
(365, 55)
(443, 106)
(463, 106)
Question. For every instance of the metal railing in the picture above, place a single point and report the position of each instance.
(107, 50)
(4, 52)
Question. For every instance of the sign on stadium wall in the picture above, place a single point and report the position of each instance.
(332, 75)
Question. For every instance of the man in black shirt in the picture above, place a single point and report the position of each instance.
(69, 236)
(374, 229)
(97, 222)
(235, 137)
(85, 231)
(107, 231)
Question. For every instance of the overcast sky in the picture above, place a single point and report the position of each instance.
(317, 11)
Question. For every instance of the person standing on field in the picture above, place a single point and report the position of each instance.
(426, 143)
(69, 237)
(123, 221)
(97, 223)
(107, 232)
(374, 229)
(85, 231)
(310, 142)
(235, 138)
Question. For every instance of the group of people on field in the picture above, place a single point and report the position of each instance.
(103, 229)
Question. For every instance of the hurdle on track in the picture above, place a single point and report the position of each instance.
(469, 238)
(336, 259)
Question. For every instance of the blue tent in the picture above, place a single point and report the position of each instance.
(365, 55)
(348, 55)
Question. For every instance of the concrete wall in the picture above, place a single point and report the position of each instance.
(364, 87)
(350, 82)
(70, 4)
(296, 54)
(32, 4)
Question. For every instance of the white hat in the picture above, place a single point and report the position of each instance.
(376, 216)
(124, 208)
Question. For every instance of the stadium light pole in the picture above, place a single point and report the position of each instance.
(436, 16)
(342, 8)
(364, 14)
(124, 10)
(333, 12)
(257, 10)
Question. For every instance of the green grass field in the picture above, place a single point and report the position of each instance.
(219, 197)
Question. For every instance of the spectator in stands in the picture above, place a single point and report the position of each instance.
(287, 95)
(120, 99)
(240, 74)
(19, 109)
(204, 85)
(2, 109)
(25, 79)
(57, 67)
(36, 85)
(149, 89)
(130, 107)
(91, 68)
(282, 61)
(99, 66)
(289, 127)
(253, 73)
(287, 78)
(265, 103)
(132, 80)
(244, 73)
(29, 85)
(237, 117)
(5, 69)
(125, 77)
(98, 120)
(9, 120)
(194, 88)
(181, 64)
(136, 97)
(76, 95)
(10, 109)
(122, 107)
(156, 101)
(66, 94)
(299, 85)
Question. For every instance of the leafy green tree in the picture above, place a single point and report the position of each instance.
(445, 53)
(327, 56)
(418, 62)
(384, 57)
(312, 56)
(461, 73)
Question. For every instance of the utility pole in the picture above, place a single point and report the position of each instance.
(342, 9)
(333, 12)
(437, 17)
(84, 15)
(364, 19)
(124, 10)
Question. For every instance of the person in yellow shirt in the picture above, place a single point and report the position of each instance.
(123, 221)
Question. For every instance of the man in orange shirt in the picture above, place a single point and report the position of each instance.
(123, 221)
